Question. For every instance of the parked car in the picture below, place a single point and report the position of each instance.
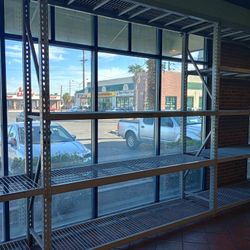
(142, 130)
(118, 110)
(65, 149)
(75, 109)
(20, 117)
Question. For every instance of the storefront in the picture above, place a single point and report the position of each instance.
(125, 99)
(15, 101)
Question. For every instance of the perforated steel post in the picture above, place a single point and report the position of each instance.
(214, 118)
(183, 132)
(27, 108)
(44, 120)
(157, 128)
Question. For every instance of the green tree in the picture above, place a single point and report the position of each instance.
(135, 68)
(150, 85)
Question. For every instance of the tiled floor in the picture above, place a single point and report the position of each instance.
(229, 231)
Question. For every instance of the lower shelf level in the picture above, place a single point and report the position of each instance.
(15, 245)
(117, 229)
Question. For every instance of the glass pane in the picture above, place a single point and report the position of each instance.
(73, 26)
(125, 139)
(125, 83)
(170, 184)
(144, 39)
(170, 135)
(196, 47)
(112, 33)
(125, 195)
(70, 78)
(171, 44)
(18, 218)
(71, 207)
(15, 97)
(171, 86)
(13, 17)
(70, 143)
(194, 132)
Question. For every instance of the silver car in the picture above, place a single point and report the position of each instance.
(66, 151)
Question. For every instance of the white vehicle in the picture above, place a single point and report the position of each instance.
(142, 130)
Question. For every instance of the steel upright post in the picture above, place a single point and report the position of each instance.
(44, 120)
(27, 108)
(184, 78)
(214, 119)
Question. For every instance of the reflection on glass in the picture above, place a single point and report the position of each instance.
(171, 44)
(125, 83)
(73, 26)
(112, 33)
(13, 17)
(170, 187)
(18, 218)
(144, 39)
(71, 207)
(196, 47)
(125, 195)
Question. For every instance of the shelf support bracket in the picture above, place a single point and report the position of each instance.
(199, 73)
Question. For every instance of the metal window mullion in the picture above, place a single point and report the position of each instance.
(130, 37)
(52, 23)
(4, 122)
(94, 122)
(213, 204)
(183, 132)
(44, 120)
(157, 128)
(27, 108)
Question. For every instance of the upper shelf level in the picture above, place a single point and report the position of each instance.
(138, 12)
(79, 177)
(226, 72)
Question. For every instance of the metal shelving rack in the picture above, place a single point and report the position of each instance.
(113, 230)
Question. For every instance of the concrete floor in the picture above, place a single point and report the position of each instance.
(229, 231)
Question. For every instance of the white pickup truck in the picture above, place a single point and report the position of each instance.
(142, 130)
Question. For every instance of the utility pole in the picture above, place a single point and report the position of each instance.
(83, 69)
(70, 87)
(61, 98)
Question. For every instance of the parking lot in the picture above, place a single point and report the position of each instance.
(111, 147)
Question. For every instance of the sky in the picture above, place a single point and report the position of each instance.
(65, 67)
